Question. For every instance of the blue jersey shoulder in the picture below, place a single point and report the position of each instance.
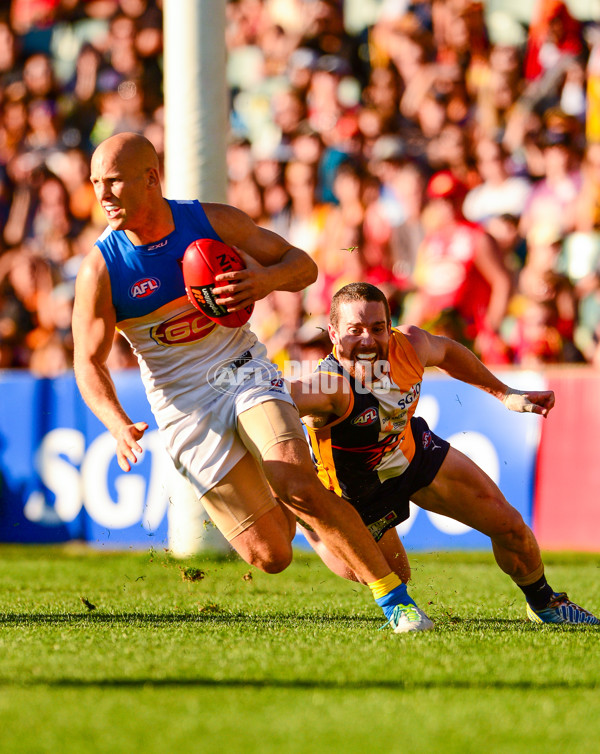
(145, 278)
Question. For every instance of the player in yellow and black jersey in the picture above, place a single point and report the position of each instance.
(369, 448)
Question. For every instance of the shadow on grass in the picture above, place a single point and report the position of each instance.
(298, 684)
(210, 616)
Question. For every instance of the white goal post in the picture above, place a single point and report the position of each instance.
(196, 126)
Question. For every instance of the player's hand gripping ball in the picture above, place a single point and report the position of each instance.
(202, 261)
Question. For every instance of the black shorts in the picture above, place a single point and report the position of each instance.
(388, 506)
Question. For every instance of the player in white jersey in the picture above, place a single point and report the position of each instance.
(264, 449)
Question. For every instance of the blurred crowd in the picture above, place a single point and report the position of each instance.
(449, 155)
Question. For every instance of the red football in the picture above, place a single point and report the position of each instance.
(202, 261)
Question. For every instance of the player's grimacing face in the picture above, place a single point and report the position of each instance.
(362, 334)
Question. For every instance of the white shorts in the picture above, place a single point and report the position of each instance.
(205, 445)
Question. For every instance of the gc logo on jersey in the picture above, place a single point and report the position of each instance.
(144, 287)
(182, 329)
(367, 417)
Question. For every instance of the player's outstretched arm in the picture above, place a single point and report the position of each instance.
(320, 395)
(462, 364)
(93, 332)
(280, 267)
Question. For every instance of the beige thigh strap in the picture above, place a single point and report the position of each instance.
(239, 499)
(268, 423)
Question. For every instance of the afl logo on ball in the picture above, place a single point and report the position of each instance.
(144, 287)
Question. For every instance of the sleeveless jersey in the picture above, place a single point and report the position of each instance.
(175, 344)
(372, 442)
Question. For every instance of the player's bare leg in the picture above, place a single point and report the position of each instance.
(462, 491)
(393, 550)
(290, 472)
(334, 564)
(390, 545)
(273, 433)
(266, 544)
(257, 527)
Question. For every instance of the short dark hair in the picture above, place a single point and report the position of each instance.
(357, 292)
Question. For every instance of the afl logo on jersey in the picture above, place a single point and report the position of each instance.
(368, 417)
(144, 288)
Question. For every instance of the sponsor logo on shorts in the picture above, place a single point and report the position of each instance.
(378, 528)
(366, 418)
(144, 288)
(429, 442)
(182, 329)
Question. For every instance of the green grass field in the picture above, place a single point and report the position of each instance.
(238, 661)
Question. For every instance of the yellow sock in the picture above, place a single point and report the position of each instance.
(384, 586)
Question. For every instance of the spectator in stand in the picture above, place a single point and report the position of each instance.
(407, 237)
(382, 94)
(13, 127)
(540, 282)
(535, 340)
(52, 352)
(334, 116)
(304, 219)
(289, 111)
(554, 197)
(340, 248)
(427, 77)
(81, 92)
(497, 105)
(463, 288)
(121, 58)
(39, 79)
(451, 151)
(267, 171)
(409, 46)
(301, 64)
(72, 167)
(384, 211)
(504, 229)
(245, 194)
(587, 206)
(16, 319)
(500, 193)
(553, 35)
(323, 29)
(26, 282)
(9, 72)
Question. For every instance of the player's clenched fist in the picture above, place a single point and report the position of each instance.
(532, 401)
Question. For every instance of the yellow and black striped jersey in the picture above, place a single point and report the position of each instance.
(372, 442)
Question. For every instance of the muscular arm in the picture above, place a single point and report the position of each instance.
(320, 396)
(272, 263)
(93, 332)
(462, 364)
